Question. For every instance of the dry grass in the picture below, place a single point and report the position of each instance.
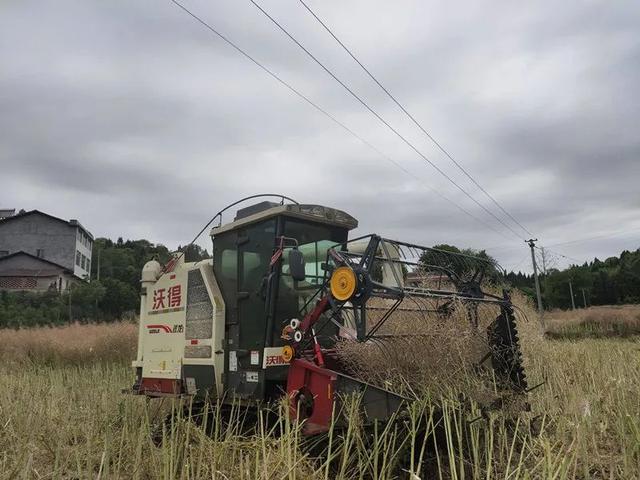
(72, 422)
(70, 345)
(62, 416)
(594, 322)
(434, 354)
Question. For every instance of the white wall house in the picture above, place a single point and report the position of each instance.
(66, 244)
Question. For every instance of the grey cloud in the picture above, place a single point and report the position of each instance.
(136, 120)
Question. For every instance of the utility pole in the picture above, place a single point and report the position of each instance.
(532, 245)
(98, 269)
(573, 302)
(584, 298)
(95, 309)
(70, 288)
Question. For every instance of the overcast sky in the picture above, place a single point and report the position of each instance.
(136, 120)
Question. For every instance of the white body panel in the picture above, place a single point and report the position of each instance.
(167, 340)
(163, 335)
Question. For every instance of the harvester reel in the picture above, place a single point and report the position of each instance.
(375, 304)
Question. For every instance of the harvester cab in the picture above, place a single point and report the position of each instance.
(285, 286)
(213, 328)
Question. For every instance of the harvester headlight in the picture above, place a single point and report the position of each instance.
(343, 283)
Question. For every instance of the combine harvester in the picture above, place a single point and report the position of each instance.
(263, 317)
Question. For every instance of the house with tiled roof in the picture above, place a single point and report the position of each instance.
(39, 251)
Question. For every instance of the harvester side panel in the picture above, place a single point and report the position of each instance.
(182, 332)
(163, 329)
(217, 340)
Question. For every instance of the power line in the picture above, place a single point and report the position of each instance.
(579, 240)
(564, 256)
(547, 249)
(597, 237)
(398, 134)
(567, 257)
(327, 114)
(516, 265)
(393, 98)
(503, 247)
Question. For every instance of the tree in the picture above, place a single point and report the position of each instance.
(82, 299)
(119, 298)
(614, 281)
(120, 265)
(193, 253)
(463, 264)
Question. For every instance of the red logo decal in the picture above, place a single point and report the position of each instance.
(275, 360)
(157, 328)
(167, 297)
(158, 299)
(175, 296)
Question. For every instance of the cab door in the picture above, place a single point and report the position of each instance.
(246, 314)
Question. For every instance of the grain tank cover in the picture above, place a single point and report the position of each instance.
(264, 210)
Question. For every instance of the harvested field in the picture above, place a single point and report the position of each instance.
(594, 322)
(62, 416)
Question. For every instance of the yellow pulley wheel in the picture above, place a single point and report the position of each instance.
(287, 353)
(343, 283)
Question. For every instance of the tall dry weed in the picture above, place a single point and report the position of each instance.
(594, 322)
(74, 344)
(430, 352)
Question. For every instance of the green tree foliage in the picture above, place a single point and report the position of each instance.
(463, 263)
(29, 309)
(119, 298)
(613, 281)
(193, 253)
(84, 299)
(113, 293)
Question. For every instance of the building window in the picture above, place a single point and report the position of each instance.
(84, 259)
(78, 255)
(88, 265)
(40, 253)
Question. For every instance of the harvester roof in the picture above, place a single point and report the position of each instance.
(264, 210)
